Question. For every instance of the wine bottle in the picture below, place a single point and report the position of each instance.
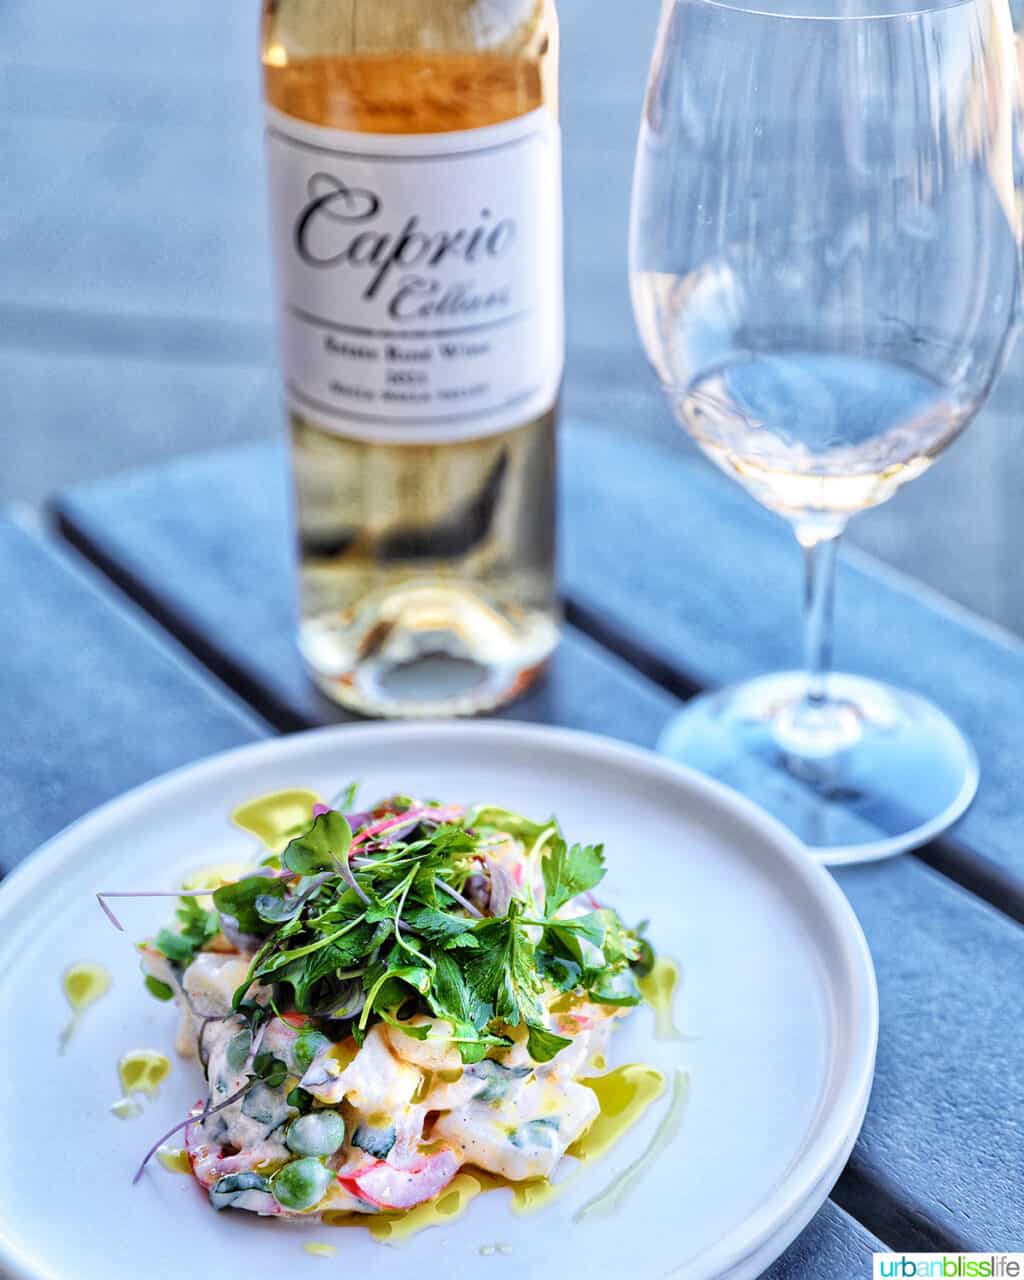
(414, 171)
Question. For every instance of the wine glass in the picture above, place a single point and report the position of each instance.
(825, 272)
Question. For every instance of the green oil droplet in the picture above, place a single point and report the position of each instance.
(671, 1123)
(320, 1250)
(278, 817)
(143, 1071)
(659, 989)
(83, 984)
(174, 1159)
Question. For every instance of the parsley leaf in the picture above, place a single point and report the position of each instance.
(568, 872)
(489, 817)
(590, 928)
(437, 926)
(451, 995)
(502, 969)
(271, 1070)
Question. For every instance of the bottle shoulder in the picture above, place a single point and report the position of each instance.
(410, 66)
(513, 28)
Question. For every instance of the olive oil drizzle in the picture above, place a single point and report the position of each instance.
(613, 1195)
(659, 988)
(83, 984)
(320, 1250)
(174, 1159)
(143, 1071)
(624, 1096)
(276, 818)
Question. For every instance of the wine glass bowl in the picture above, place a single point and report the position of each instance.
(825, 266)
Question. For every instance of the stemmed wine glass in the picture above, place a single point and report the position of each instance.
(825, 272)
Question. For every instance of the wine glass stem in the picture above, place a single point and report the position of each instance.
(819, 611)
(816, 726)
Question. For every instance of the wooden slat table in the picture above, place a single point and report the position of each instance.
(673, 582)
(98, 700)
(101, 695)
(134, 277)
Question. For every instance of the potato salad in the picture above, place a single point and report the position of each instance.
(396, 994)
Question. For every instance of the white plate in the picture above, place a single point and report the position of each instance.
(779, 995)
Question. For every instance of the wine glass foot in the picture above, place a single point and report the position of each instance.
(900, 774)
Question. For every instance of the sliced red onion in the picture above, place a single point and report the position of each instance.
(463, 902)
(357, 820)
(248, 942)
(347, 1003)
(502, 889)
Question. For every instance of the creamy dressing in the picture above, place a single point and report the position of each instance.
(623, 1097)
(515, 1117)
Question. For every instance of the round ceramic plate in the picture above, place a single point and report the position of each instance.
(777, 1005)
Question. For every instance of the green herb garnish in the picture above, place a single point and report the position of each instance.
(408, 910)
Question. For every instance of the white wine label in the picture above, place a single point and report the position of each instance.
(419, 276)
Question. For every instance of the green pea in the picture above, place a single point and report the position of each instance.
(307, 1045)
(301, 1184)
(320, 1133)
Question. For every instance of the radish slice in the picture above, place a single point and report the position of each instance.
(207, 1161)
(386, 1187)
